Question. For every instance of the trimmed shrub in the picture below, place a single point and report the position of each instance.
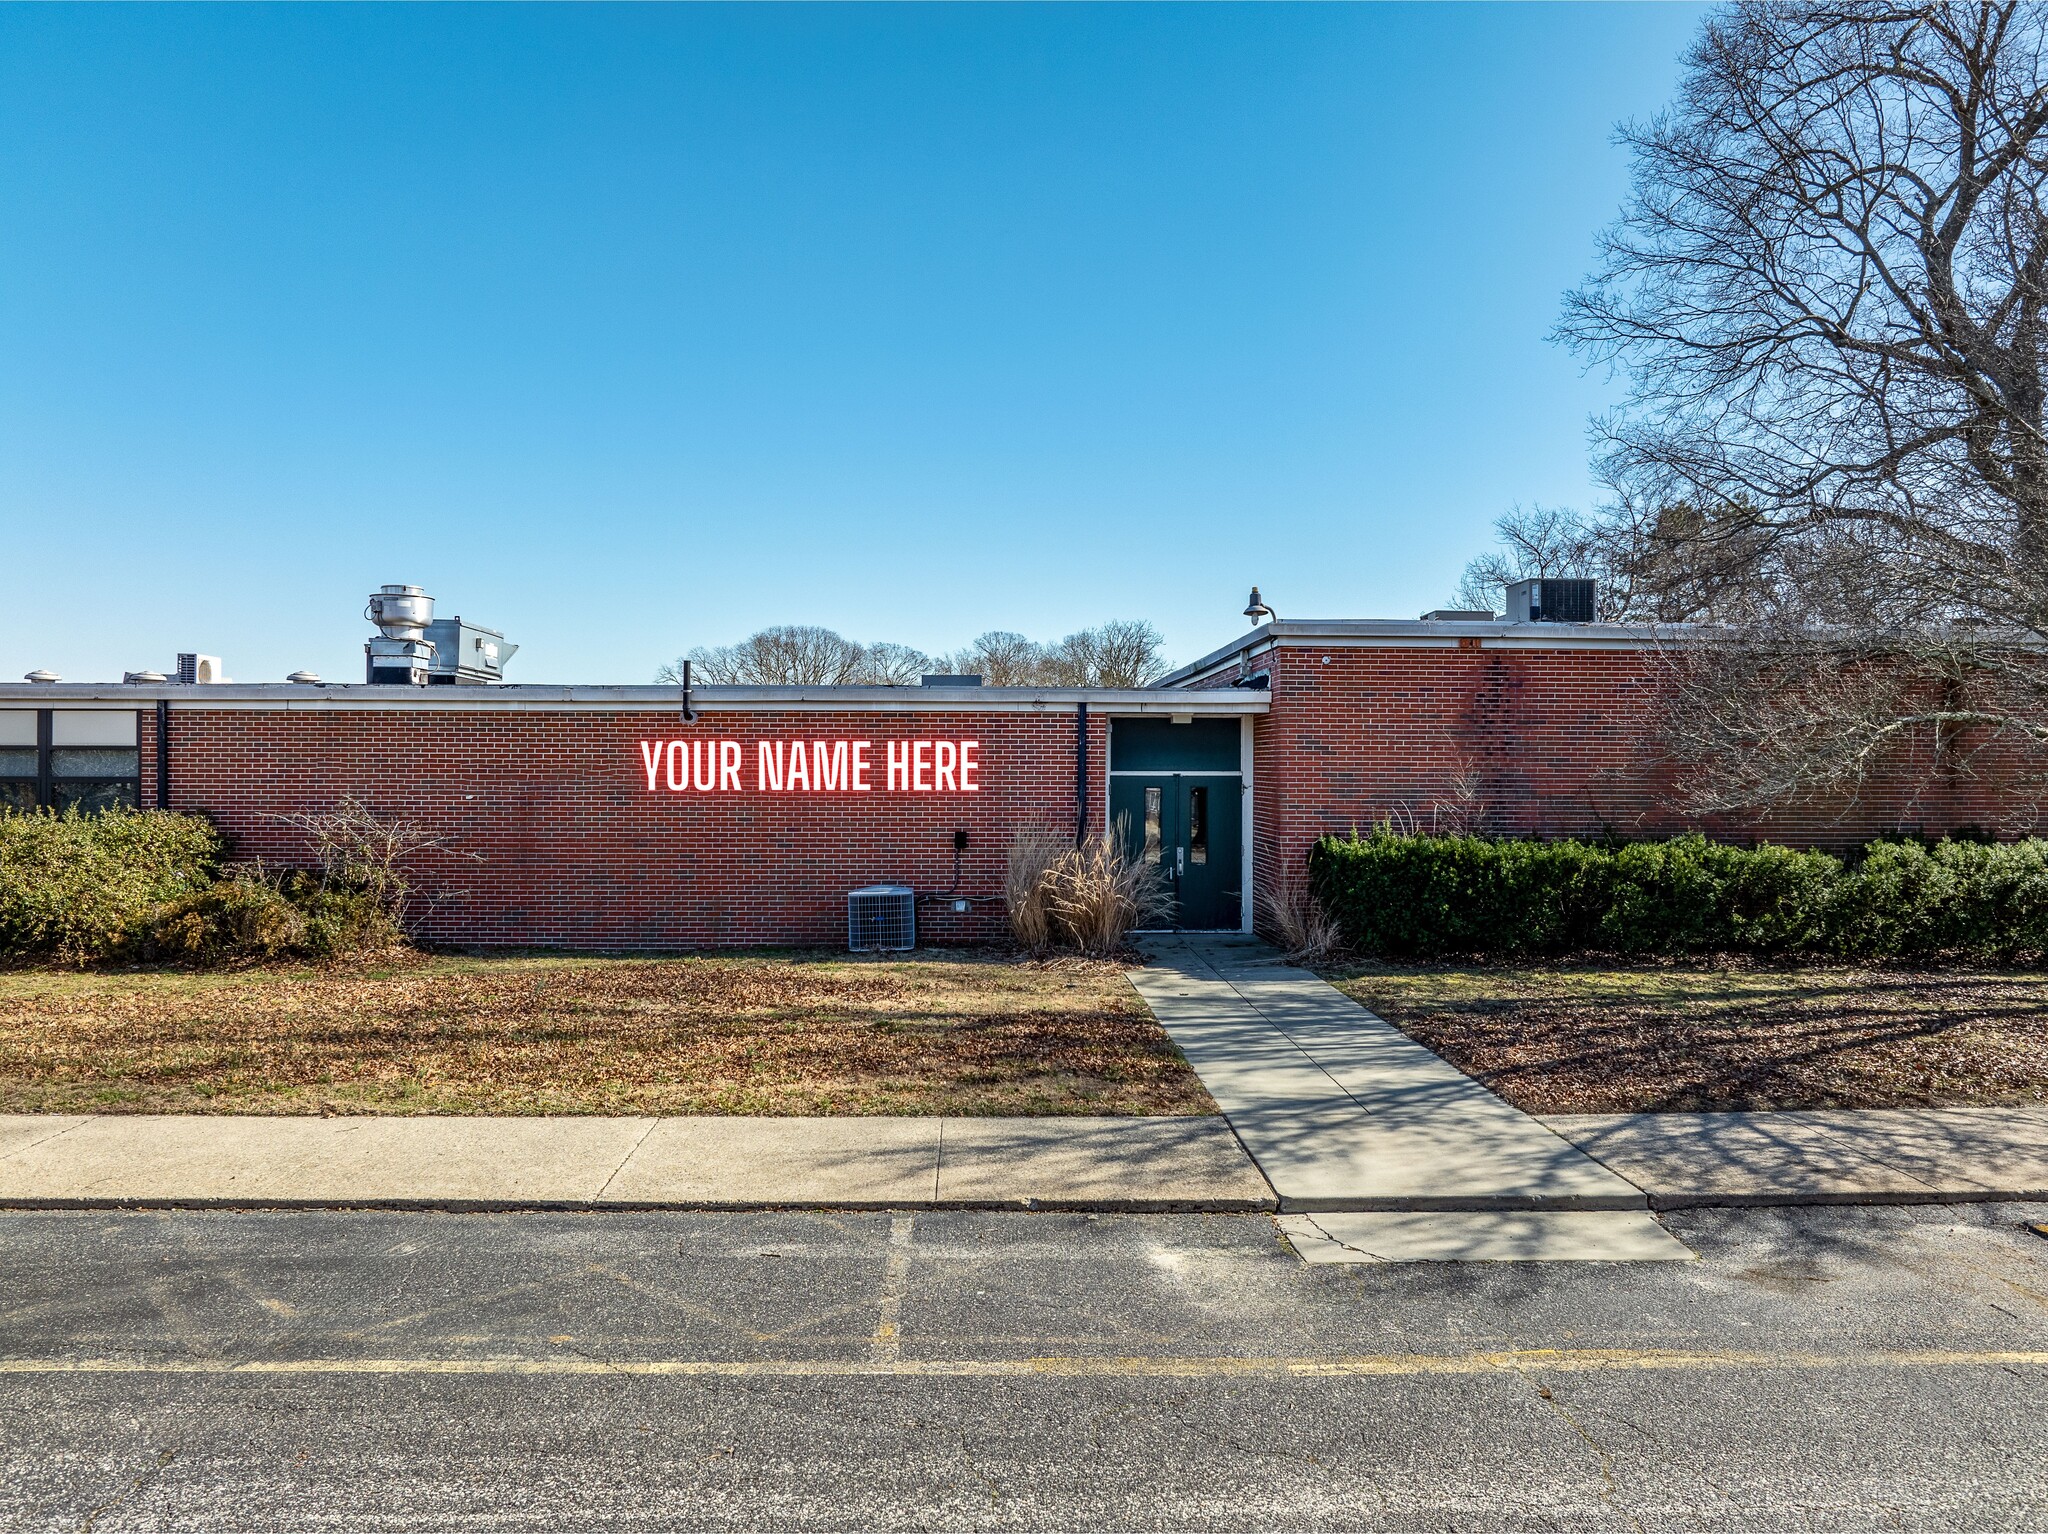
(1661, 897)
(253, 915)
(1420, 895)
(150, 885)
(345, 923)
(1897, 902)
(240, 917)
(1908, 900)
(1430, 896)
(1771, 899)
(76, 887)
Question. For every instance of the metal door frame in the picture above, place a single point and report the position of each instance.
(1246, 905)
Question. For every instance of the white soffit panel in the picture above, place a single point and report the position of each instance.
(92, 727)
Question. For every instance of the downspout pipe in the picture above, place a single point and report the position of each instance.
(163, 753)
(1080, 773)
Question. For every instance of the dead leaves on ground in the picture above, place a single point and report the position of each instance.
(714, 1034)
(1628, 1039)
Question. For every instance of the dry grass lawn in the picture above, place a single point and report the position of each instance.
(1622, 1038)
(744, 1034)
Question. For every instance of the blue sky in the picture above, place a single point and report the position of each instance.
(630, 329)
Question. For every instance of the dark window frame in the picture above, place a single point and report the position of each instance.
(50, 787)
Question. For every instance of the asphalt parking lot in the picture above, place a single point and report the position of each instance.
(1844, 1368)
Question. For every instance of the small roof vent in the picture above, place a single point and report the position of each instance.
(40, 676)
(133, 677)
(305, 678)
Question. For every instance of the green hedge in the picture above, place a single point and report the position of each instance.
(1430, 896)
(151, 885)
(77, 887)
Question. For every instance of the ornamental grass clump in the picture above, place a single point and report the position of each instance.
(1090, 897)
(1308, 933)
(1034, 852)
(1099, 894)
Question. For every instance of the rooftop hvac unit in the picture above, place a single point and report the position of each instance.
(1550, 601)
(882, 919)
(466, 652)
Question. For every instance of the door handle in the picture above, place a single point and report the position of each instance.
(1180, 862)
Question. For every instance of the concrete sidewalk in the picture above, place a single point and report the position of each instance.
(1180, 1163)
(1342, 1111)
(1867, 1156)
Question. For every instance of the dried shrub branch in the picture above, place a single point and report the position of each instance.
(360, 852)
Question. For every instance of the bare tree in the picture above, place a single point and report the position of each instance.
(893, 665)
(1126, 654)
(1001, 659)
(790, 655)
(1071, 662)
(1828, 289)
(1544, 541)
(1121, 653)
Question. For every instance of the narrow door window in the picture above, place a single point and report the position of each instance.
(1151, 825)
(1198, 825)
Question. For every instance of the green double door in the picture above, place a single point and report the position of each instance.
(1188, 822)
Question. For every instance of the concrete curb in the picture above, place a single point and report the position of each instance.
(698, 1206)
(1822, 1199)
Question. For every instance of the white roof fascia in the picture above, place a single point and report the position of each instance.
(516, 698)
(1422, 634)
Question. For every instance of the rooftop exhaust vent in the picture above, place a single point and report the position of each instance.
(199, 668)
(1550, 601)
(401, 654)
(414, 648)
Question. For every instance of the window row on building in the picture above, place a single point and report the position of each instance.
(63, 758)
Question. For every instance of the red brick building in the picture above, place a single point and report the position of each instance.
(601, 817)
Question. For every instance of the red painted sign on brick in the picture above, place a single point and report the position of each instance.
(916, 766)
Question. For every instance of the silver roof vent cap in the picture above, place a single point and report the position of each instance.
(305, 678)
(400, 612)
(42, 676)
(132, 677)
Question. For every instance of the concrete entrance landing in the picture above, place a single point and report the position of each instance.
(1345, 1113)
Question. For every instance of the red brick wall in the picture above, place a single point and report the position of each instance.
(1550, 742)
(576, 852)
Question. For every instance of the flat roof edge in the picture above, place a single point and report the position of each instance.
(535, 698)
(1427, 632)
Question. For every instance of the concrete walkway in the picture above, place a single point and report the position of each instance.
(1381, 1151)
(1868, 1156)
(1344, 1112)
(51, 1160)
